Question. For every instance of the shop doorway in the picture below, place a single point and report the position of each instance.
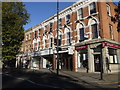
(97, 64)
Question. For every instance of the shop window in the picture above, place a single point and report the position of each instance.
(113, 56)
(83, 59)
(92, 8)
(80, 13)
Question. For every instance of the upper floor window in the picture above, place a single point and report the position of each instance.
(80, 13)
(45, 29)
(111, 31)
(94, 31)
(39, 32)
(81, 32)
(92, 8)
(67, 36)
(30, 36)
(51, 25)
(26, 37)
(93, 23)
(68, 19)
(108, 9)
(60, 22)
(60, 37)
(35, 34)
(51, 38)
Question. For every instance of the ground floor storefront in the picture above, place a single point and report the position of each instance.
(97, 55)
(88, 56)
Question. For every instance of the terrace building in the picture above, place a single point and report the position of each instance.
(86, 36)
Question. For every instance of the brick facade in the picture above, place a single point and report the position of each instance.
(99, 20)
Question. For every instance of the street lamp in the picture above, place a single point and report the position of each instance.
(57, 37)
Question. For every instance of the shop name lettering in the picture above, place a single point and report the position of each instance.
(82, 47)
(110, 45)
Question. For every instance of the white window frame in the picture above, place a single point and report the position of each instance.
(78, 14)
(67, 19)
(90, 7)
(108, 9)
(66, 32)
(111, 31)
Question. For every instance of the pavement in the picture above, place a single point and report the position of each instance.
(91, 80)
(88, 80)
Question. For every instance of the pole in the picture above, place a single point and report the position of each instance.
(57, 36)
(101, 65)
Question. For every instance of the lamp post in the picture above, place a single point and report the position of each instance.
(57, 37)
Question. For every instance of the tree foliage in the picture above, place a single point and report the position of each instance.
(14, 16)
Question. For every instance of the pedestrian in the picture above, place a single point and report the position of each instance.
(107, 64)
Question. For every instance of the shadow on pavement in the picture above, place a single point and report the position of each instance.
(22, 78)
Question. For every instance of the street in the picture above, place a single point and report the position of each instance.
(45, 78)
(21, 79)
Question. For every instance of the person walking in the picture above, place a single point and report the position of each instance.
(107, 64)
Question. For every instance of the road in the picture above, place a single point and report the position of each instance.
(9, 81)
(37, 80)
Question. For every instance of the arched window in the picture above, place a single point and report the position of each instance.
(94, 28)
(60, 33)
(51, 38)
(68, 35)
(44, 41)
(80, 32)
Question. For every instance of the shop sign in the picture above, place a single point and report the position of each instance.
(47, 52)
(35, 54)
(81, 47)
(110, 45)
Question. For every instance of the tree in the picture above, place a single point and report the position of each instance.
(14, 16)
(116, 18)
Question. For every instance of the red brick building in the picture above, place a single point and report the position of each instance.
(86, 36)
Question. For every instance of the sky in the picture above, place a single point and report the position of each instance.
(40, 11)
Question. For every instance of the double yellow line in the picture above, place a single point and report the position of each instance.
(105, 83)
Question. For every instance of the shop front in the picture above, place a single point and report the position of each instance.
(94, 54)
(35, 60)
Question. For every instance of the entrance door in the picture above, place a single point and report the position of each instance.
(97, 63)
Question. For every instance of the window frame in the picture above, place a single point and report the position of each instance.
(81, 34)
(112, 54)
(95, 33)
(67, 18)
(111, 31)
(108, 9)
(94, 8)
(80, 14)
